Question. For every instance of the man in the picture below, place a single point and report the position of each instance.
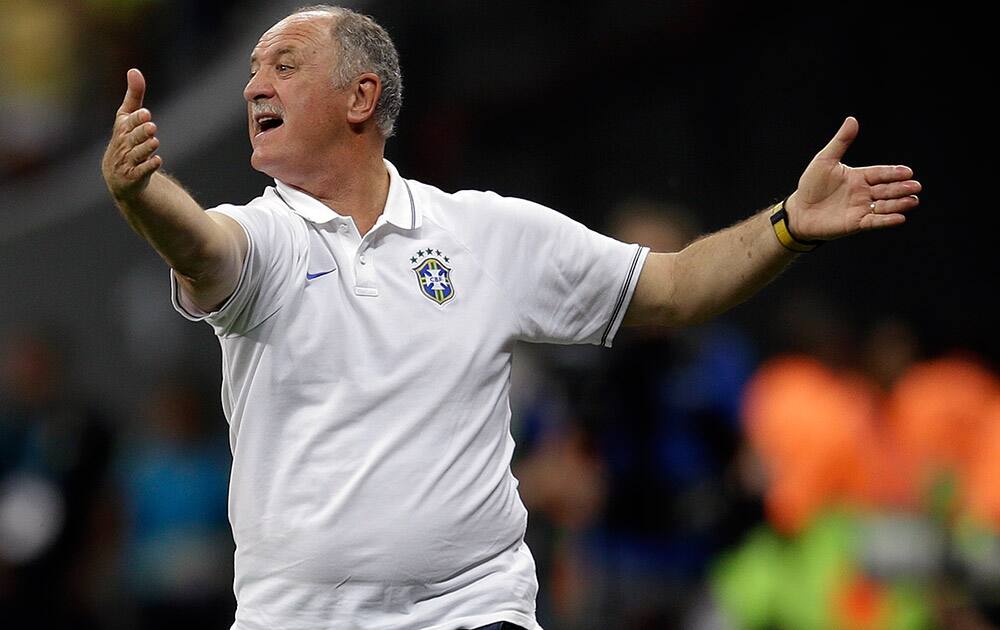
(366, 323)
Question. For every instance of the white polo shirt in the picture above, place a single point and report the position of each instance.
(366, 380)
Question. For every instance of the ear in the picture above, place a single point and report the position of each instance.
(363, 98)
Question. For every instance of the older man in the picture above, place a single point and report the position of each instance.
(366, 323)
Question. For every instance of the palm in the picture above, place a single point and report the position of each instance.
(835, 200)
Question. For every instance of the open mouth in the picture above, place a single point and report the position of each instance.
(268, 123)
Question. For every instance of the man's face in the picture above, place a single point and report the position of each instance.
(295, 113)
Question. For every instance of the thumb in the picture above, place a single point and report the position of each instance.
(837, 147)
(136, 90)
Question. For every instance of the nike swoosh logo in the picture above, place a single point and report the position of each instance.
(313, 276)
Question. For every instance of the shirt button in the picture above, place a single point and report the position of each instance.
(343, 228)
(362, 259)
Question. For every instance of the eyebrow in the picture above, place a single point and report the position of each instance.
(280, 51)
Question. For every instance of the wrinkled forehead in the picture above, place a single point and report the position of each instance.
(302, 31)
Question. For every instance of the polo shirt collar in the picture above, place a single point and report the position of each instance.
(400, 208)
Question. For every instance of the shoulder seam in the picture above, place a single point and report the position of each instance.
(486, 272)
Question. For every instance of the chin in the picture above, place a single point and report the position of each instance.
(262, 164)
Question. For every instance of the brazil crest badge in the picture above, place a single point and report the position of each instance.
(433, 276)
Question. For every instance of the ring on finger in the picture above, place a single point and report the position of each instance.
(871, 207)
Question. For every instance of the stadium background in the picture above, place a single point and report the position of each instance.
(658, 118)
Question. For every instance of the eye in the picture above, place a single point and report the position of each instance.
(282, 67)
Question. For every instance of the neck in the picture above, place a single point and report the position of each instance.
(354, 185)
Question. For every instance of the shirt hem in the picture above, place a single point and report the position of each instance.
(464, 623)
(525, 621)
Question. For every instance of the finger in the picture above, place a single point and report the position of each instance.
(141, 152)
(134, 93)
(837, 147)
(147, 167)
(142, 133)
(884, 174)
(893, 190)
(878, 221)
(126, 123)
(895, 206)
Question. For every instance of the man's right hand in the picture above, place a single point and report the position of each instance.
(129, 161)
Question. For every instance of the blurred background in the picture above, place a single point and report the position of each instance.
(825, 456)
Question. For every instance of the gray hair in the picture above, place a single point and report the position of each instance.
(366, 47)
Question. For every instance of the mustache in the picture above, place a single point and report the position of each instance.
(265, 108)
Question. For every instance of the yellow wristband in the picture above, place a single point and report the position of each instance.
(779, 221)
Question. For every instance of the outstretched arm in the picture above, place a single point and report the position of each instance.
(721, 270)
(206, 250)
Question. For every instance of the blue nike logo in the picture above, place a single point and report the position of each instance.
(313, 276)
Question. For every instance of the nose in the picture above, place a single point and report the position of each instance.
(259, 86)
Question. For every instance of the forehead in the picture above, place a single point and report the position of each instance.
(302, 32)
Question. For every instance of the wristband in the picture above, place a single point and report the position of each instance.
(779, 221)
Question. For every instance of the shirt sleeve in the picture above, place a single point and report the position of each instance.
(273, 255)
(569, 284)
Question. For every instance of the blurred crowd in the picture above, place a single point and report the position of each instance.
(108, 522)
(683, 480)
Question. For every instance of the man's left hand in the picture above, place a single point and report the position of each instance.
(835, 200)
